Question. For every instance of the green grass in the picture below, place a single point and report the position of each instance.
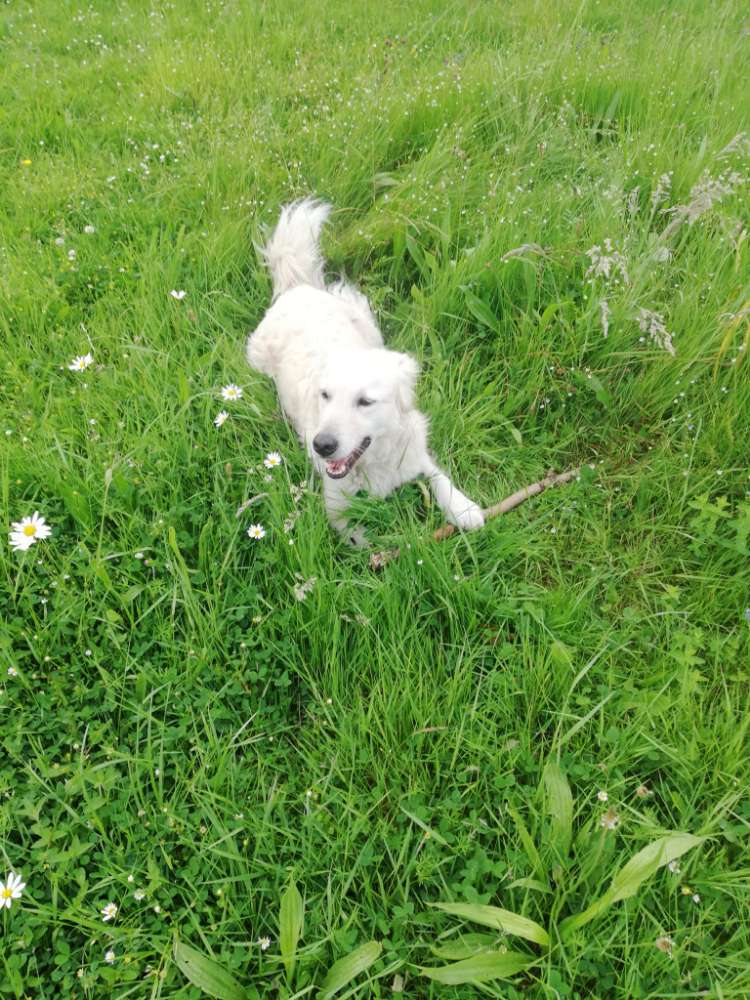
(176, 715)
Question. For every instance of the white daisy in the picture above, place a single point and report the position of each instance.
(265, 943)
(23, 534)
(231, 392)
(178, 295)
(12, 672)
(81, 363)
(256, 531)
(89, 230)
(220, 418)
(109, 912)
(602, 795)
(138, 895)
(11, 890)
(272, 460)
(109, 957)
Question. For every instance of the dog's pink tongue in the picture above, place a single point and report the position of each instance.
(336, 466)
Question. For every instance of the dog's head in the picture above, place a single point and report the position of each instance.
(363, 398)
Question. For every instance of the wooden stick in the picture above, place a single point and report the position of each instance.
(379, 559)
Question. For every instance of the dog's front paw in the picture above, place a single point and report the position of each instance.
(469, 518)
(357, 538)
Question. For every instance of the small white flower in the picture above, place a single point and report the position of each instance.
(610, 820)
(256, 531)
(131, 878)
(109, 957)
(81, 363)
(265, 943)
(695, 897)
(12, 889)
(272, 460)
(138, 895)
(220, 418)
(178, 295)
(71, 254)
(302, 589)
(231, 392)
(23, 534)
(12, 672)
(89, 230)
(109, 912)
(674, 867)
(602, 795)
(157, 908)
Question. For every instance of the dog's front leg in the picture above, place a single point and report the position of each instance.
(456, 506)
(336, 501)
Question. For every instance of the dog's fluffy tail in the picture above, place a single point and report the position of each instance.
(293, 253)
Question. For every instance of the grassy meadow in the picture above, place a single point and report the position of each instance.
(260, 748)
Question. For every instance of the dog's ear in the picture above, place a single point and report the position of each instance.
(407, 372)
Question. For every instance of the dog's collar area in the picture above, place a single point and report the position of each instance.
(342, 466)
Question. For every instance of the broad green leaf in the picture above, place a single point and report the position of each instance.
(417, 254)
(648, 861)
(481, 311)
(76, 504)
(480, 968)
(560, 654)
(559, 806)
(549, 312)
(593, 383)
(529, 883)
(528, 844)
(629, 879)
(183, 388)
(349, 967)
(291, 915)
(206, 974)
(464, 946)
(502, 920)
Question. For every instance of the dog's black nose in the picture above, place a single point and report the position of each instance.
(325, 444)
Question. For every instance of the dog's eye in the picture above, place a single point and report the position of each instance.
(364, 402)
(324, 394)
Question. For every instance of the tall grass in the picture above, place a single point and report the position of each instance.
(172, 712)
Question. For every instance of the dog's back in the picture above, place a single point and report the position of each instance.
(307, 321)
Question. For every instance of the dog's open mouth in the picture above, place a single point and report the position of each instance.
(342, 466)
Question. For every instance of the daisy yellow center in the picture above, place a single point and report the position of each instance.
(30, 529)
(7, 894)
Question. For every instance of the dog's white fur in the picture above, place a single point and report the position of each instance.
(337, 382)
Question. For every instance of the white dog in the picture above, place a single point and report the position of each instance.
(350, 400)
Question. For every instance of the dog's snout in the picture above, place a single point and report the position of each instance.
(325, 444)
